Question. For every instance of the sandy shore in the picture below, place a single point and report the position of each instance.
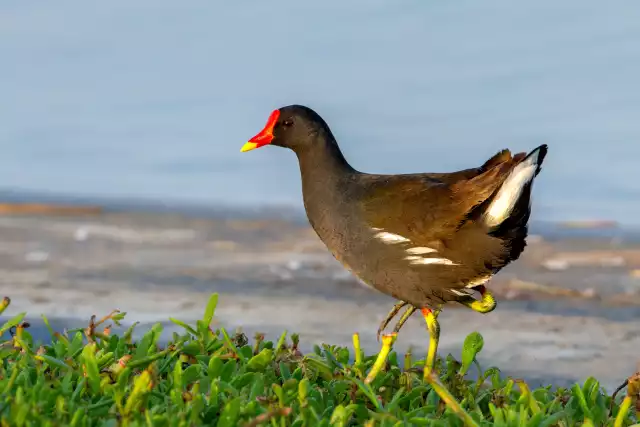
(568, 309)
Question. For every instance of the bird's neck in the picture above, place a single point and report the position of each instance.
(322, 160)
(326, 177)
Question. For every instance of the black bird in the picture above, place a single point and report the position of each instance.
(425, 239)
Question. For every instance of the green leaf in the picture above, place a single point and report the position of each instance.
(91, 366)
(173, 355)
(143, 361)
(339, 416)
(319, 366)
(177, 376)
(148, 343)
(285, 372)
(129, 332)
(191, 374)
(246, 352)
(277, 390)
(472, 346)
(215, 368)
(551, 420)
(80, 386)
(391, 406)
(577, 392)
(76, 345)
(203, 332)
(53, 362)
(260, 361)
(105, 359)
(141, 386)
(210, 310)
(303, 391)
(280, 343)
(227, 371)
(257, 389)
(48, 325)
(196, 409)
(77, 418)
(230, 413)
(332, 361)
(368, 391)
(14, 321)
(184, 325)
(156, 333)
(118, 317)
(192, 349)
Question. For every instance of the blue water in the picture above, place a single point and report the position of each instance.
(154, 98)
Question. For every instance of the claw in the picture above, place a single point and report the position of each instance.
(396, 308)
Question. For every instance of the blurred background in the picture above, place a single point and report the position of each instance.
(122, 184)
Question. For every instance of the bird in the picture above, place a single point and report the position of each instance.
(425, 239)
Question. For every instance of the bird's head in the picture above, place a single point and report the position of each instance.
(295, 126)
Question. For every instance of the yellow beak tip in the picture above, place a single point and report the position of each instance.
(248, 146)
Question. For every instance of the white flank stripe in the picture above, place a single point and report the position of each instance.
(420, 250)
(391, 238)
(420, 260)
(479, 281)
(511, 190)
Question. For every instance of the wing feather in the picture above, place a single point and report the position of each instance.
(426, 208)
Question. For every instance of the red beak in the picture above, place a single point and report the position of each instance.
(265, 136)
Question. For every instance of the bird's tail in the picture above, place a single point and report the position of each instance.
(515, 188)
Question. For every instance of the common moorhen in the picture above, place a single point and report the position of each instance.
(427, 238)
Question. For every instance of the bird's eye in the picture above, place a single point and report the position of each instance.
(288, 122)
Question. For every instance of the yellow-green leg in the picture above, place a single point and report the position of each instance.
(395, 310)
(387, 344)
(431, 318)
(389, 339)
(486, 305)
(405, 316)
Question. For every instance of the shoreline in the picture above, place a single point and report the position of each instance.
(94, 205)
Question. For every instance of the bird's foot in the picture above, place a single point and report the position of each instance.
(394, 311)
(381, 360)
(486, 304)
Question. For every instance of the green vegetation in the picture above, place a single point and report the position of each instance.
(202, 377)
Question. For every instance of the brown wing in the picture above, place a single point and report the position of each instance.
(500, 157)
(425, 208)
